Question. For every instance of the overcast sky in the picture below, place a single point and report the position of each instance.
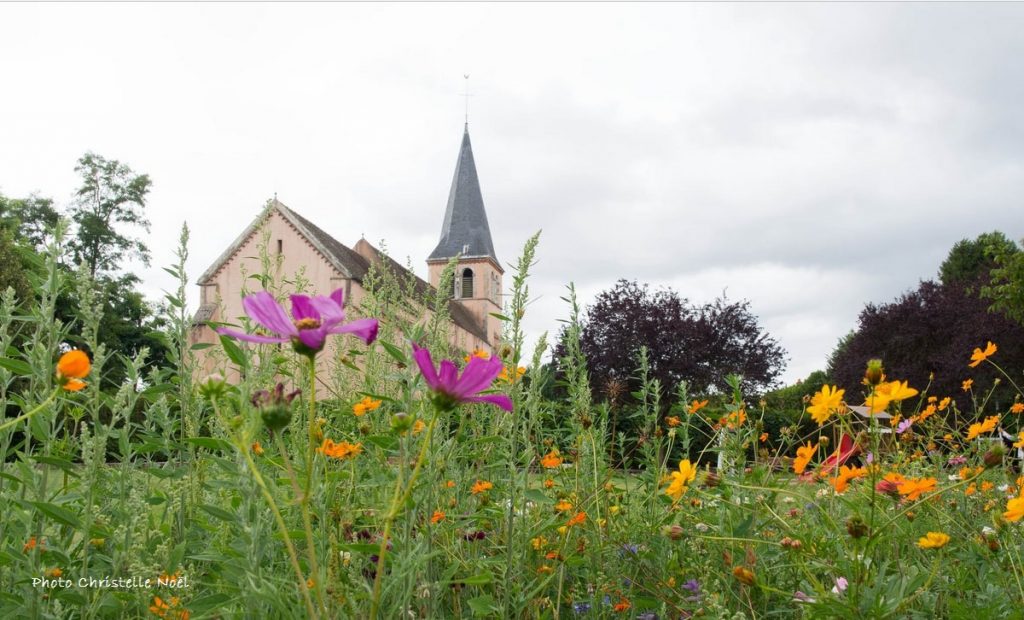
(807, 157)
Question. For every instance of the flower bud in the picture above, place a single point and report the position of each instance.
(874, 373)
(994, 457)
(401, 422)
(744, 575)
(275, 406)
(856, 527)
(675, 532)
(213, 386)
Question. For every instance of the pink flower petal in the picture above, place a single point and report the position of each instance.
(364, 329)
(303, 308)
(426, 364)
(500, 400)
(233, 333)
(264, 309)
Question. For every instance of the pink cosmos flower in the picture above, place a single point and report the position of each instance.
(313, 319)
(450, 389)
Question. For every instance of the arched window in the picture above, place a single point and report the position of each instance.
(467, 283)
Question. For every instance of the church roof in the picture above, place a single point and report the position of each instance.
(465, 230)
(348, 262)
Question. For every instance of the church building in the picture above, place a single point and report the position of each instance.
(300, 246)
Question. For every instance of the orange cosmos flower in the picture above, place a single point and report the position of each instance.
(672, 421)
(577, 519)
(506, 377)
(846, 473)
(622, 605)
(743, 575)
(72, 367)
(912, 488)
(804, 454)
(696, 406)
(1014, 509)
(484, 355)
(549, 483)
(257, 449)
(341, 451)
(437, 517)
(1017, 408)
(551, 460)
(563, 506)
(364, 406)
(980, 356)
(966, 385)
(978, 428)
(480, 486)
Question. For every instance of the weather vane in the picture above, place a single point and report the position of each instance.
(466, 94)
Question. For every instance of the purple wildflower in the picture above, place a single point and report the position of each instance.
(802, 597)
(450, 389)
(581, 608)
(904, 426)
(840, 586)
(313, 319)
(630, 548)
(693, 586)
(956, 461)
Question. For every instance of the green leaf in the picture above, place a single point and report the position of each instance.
(500, 317)
(58, 513)
(234, 352)
(199, 346)
(384, 442)
(476, 580)
(156, 390)
(220, 513)
(63, 464)
(203, 604)
(482, 605)
(210, 443)
(394, 352)
(360, 548)
(17, 367)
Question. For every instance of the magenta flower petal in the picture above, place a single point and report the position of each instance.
(426, 364)
(328, 311)
(338, 297)
(313, 338)
(501, 400)
(449, 377)
(478, 375)
(303, 308)
(264, 309)
(234, 333)
(364, 329)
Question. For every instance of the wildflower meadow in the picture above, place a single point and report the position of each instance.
(413, 480)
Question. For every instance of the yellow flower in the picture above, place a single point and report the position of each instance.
(897, 390)
(944, 403)
(672, 421)
(1014, 509)
(933, 540)
(966, 385)
(980, 356)
(696, 406)
(912, 488)
(71, 368)
(53, 573)
(551, 460)
(539, 542)
(365, 405)
(743, 575)
(480, 486)
(824, 403)
(680, 479)
(1020, 440)
(257, 449)
(1017, 408)
(928, 412)
(978, 428)
(417, 427)
(804, 454)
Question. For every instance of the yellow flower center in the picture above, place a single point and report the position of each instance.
(307, 323)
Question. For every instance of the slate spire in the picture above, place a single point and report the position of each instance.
(465, 228)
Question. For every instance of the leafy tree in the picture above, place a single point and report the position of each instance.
(1006, 288)
(931, 330)
(12, 271)
(701, 345)
(28, 220)
(971, 259)
(111, 194)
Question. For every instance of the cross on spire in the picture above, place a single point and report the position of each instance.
(466, 94)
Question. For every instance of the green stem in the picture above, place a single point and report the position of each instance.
(307, 522)
(28, 415)
(292, 555)
(397, 501)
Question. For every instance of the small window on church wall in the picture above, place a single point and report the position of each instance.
(467, 283)
(280, 246)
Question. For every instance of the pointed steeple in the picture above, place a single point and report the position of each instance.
(465, 230)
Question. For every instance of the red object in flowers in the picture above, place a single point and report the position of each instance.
(847, 449)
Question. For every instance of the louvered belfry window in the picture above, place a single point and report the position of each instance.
(467, 283)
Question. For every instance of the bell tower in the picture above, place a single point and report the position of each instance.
(465, 233)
